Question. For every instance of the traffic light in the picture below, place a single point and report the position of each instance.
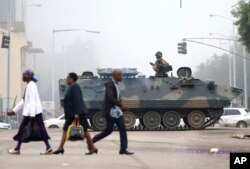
(5, 41)
(182, 48)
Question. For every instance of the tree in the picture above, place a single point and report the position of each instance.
(217, 68)
(214, 68)
(242, 13)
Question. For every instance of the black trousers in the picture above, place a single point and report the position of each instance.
(109, 129)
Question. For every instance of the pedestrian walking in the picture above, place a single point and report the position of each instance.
(74, 107)
(31, 107)
(112, 110)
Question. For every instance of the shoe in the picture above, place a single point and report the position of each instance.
(125, 152)
(59, 151)
(13, 151)
(47, 152)
(94, 151)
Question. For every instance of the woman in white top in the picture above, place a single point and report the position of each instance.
(31, 108)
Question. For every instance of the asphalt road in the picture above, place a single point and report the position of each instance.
(153, 150)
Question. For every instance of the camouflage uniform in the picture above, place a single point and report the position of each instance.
(161, 66)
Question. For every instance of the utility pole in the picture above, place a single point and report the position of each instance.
(8, 63)
(245, 78)
(230, 65)
(234, 58)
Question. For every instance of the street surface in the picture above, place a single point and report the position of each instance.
(153, 150)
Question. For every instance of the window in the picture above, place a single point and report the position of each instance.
(225, 113)
(233, 112)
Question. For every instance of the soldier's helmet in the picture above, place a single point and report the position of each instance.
(158, 55)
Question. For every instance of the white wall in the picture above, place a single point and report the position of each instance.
(17, 41)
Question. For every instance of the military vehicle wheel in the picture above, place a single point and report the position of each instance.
(171, 119)
(185, 120)
(196, 119)
(152, 120)
(129, 119)
(98, 121)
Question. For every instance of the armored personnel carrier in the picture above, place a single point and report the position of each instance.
(157, 102)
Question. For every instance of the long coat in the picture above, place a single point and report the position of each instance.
(30, 105)
(73, 101)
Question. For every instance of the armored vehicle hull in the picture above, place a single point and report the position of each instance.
(157, 102)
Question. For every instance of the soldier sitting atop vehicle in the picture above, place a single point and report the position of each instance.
(161, 66)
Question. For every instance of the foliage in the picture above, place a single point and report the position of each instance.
(217, 68)
(214, 68)
(242, 13)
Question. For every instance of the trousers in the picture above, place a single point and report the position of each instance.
(109, 129)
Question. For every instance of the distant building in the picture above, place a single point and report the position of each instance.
(17, 44)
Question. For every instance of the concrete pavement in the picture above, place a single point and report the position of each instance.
(159, 150)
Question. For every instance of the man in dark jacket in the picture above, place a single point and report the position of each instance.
(75, 108)
(111, 99)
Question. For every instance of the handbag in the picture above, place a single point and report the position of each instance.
(75, 131)
(115, 112)
(31, 133)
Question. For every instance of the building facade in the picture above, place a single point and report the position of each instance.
(17, 43)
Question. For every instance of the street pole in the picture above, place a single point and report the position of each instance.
(234, 59)
(64, 63)
(34, 64)
(245, 78)
(230, 66)
(8, 63)
(53, 73)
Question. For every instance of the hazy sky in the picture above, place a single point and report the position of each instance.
(131, 32)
